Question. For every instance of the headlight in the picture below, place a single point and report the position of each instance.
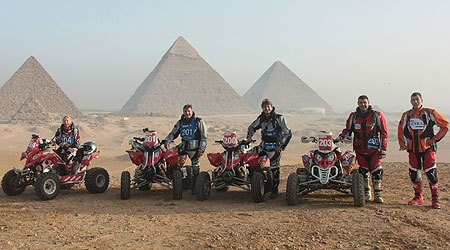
(318, 157)
(331, 157)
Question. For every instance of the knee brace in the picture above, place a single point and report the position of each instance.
(432, 175)
(364, 172)
(195, 170)
(377, 174)
(415, 175)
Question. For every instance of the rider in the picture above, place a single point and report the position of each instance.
(370, 144)
(275, 136)
(416, 135)
(193, 139)
(67, 137)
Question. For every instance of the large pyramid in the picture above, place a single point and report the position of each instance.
(287, 92)
(31, 84)
(183, 76)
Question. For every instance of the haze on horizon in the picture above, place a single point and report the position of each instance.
(99, 52)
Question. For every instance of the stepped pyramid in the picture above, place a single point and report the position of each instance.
(183, 76)
(31, 79)
(287, 92)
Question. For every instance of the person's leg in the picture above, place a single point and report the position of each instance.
(431, 171)
(415, 160)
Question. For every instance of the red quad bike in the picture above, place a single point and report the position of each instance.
(48, 172)
(236, 166)
(326, 168)
(154, 164)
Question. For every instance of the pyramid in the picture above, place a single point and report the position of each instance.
(182, 76)
(31, 111)
(287, 92)
(32, 79)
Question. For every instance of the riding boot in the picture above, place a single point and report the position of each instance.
(195, 172)
(418, 194)
(434, 187)
(377, 191)
(367, 189)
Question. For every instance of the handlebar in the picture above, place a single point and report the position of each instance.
(139, 138)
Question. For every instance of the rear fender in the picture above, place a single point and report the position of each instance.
(215, 158)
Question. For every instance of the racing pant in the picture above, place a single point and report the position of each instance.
(369, 162)
(274, 158)
(427, 162)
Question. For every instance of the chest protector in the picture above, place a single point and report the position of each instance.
(417, 128)
(270, 133)
(188, 131)
(67, 136)
(366, 130)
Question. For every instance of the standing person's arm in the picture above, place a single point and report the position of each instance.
(348, 124)
(173, 134)
(442, 123)
(256, 124)
(401, 133)
(286, 133)
(203, 137)
(383, 132)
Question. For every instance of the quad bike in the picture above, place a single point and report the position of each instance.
(154, 164)
(326, 168)
(237, 166)
(48, 172)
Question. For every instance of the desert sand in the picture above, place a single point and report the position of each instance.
(153, 220)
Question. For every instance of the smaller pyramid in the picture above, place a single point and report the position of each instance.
(31, 79)
(287, 92)
(31, 111)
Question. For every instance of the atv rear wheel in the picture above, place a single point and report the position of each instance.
(292, 188)
(97, 180)
(47, 186)
(177, 184)
(358, 189)
(11, 183)
(257, 188)
(125, 183)
(203, 186)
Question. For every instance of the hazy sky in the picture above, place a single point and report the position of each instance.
(100, 51)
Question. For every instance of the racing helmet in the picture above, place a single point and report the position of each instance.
(89, 147)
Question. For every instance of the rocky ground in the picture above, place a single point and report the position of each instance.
(153, 220)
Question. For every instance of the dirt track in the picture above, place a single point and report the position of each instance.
(324, 219)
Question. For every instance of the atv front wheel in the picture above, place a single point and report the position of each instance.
(358, 189)
(291, 189)
(203, 186)
(11, 183)
(125, 183)
(257, 188)
(97, 180)
(177, 184)
(47, 186)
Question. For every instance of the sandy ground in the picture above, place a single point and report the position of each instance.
(153, 220)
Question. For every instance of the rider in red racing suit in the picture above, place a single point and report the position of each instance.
(370, 141)
(416, 135)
